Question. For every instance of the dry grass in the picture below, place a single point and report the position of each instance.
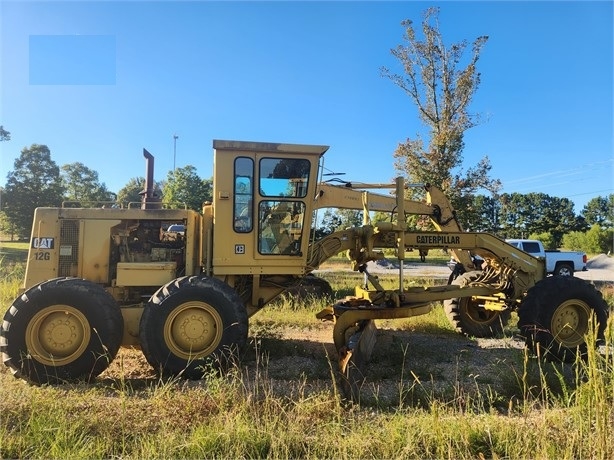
(281, 403)
(430, 394)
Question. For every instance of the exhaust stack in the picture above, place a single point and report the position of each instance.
(149, 199)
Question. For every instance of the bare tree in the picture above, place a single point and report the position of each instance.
(442, 90)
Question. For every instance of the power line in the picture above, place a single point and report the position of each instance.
(562, 173)
(596, 191)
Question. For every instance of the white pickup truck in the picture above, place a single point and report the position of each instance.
(563, 263)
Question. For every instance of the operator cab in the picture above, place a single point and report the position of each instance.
(267, 201)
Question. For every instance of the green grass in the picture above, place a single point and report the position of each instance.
(281, 401)
(239, 416)
(11, 252)
(12, 270)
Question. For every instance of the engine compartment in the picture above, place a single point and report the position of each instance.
(143, 241)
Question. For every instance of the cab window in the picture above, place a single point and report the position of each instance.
(284, 177)
(281, 227)
(243, 195)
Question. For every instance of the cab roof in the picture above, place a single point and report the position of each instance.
(269, 147)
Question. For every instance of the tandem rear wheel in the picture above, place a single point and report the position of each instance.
(192, 325)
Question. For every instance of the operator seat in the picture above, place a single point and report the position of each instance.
(279, 221)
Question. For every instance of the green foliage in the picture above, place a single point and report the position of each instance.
(594, 241)
(34, 181)
(6, 227)
(326, 225)
(481, 214)
(523, 214)
(546, 238)
(183, 186)
(4, 134)
(337, 219)
(574, 241)
(12, 269)
(133, 190)
(600, 210)
(442, 93)
(608, 246)
(277, 404)
(83, 187)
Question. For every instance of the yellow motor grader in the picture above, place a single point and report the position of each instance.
(102, 277)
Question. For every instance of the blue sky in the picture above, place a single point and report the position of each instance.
(99, 81)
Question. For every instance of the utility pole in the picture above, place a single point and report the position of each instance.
(175, 137)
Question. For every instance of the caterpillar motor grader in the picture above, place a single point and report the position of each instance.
(100, 278)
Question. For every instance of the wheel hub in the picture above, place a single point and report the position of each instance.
(57, 335)
(477, 313)
(193, 330)
(570, 323)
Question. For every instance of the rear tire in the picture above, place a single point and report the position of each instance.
(469, 318)
(61, 330)
(193, 324)
(555, 317)
(563, 270)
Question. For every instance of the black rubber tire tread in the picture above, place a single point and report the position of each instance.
(312, 286)
(98, 307)
(456, 310)
(225, 300)
(538, 307)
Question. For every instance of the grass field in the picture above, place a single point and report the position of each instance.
(12, 251)
(432, 394)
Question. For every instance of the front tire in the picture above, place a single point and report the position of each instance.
(191, 324)
(61, 330)
(555, 317)
(312, 286)
(468, 317)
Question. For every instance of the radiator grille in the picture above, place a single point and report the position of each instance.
(69, 248)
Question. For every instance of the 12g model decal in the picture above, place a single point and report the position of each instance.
(42, 243)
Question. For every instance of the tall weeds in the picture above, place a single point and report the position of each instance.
(11, 279)
(258, 410)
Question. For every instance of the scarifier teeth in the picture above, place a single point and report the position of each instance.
(344, 358)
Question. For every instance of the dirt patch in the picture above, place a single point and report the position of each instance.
(407, 367)
(410, 365)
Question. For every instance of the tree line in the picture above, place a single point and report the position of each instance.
(547, 218)
(514, 215)
(37, 181)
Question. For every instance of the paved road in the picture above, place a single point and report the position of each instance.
(597, 275)
(600, 274)
(413, 270)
